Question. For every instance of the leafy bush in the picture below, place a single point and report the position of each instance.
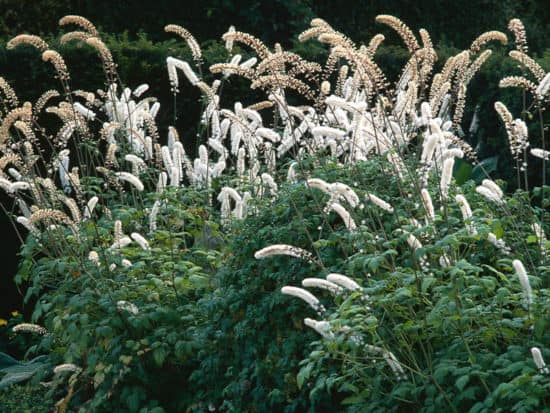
(429, 303)
(25, 399)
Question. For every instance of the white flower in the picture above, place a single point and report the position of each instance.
(141, 241)
(540, 153)
(446, 176)
(283, 249)
(539, 361)
(379, 202)
(466, 212)
(128, 177)
(328, 132)
(499, 243)
(127, 306)
(413, 242)
(428, 205)
(340, 190)
(493, 187)
(343, 281)
(444, 261)
(323, 284)
(66, 367)
(89, 208)
(268, 134)
(523, 280)
(344, 214)
(30, 328)
(138, 164)
(291, 175)
(121, 243)
(322, 327)
(27, 224)
(173, 63)
(94, 257)
(489, 194)
(141, 89)
(428, 148)
(544, 86)
(84, 111)
(305, 295)
(229, 41)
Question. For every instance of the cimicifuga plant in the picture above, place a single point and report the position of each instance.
(436, 288)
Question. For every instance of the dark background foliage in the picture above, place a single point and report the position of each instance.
(134, 32)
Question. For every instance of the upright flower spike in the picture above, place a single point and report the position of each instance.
(523, 280)
(539, 361)
(466, 212)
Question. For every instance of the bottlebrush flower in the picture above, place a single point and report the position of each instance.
(344, 214)
(140, 240)
(493, 187)
(544, 86)
(283, 249)
(127, 306)
(491, 191)
(523, 280)
(84, 111)
(305, 295)
(428, 204)
(89, 208)
(343, 281)
(379, 202)
(121, 243)
(539, 361)
(132, 179)
(466, 212)
(446, 176)
(540, 153)
(66, 367)
(323, 284)
(30, 328)
(321, 327)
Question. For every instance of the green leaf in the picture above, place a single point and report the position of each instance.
(304, 374)
(427, 282)
(21, 371)
(462, 382)
(159, 354)
(6, 361)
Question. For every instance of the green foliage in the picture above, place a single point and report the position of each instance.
(193, 320)
(15, 371)
(25, 399)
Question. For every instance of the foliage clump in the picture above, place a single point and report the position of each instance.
(157, 267)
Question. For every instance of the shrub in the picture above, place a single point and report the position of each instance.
(155, 270)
